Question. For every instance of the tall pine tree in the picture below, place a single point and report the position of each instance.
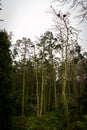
(5, 81)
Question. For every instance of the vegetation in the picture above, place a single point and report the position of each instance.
(5, 81)
(43, 85)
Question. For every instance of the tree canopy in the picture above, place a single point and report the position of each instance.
(5, 80)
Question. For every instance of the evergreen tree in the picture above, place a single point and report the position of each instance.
(22, 50)
(5, 81)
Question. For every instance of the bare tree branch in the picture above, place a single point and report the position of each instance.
(1, 9)
(79, 5)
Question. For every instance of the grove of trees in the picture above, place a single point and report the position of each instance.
(43, 85)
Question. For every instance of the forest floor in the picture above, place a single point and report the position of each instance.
(49, 121)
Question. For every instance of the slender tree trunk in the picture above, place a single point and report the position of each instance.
(64, 99)
(54, 84)
(45, 100)
(23, 93)
(65, 67)
(49, 98)
(74, 76)
(42, 91)
(26, 96)
(54, 79)
(74, 81)
(37, 87)
(37, 95)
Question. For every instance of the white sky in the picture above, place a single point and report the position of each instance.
(29, 18)
(26, 17)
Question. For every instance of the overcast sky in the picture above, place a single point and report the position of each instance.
(29, 18)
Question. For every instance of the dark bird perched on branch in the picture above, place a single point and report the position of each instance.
(58, 15)
(64, 15)
(1, 20)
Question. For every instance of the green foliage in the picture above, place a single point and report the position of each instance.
(49, 121)
(5, 81)
(79, 124)
(38, 80)
(18, 123)
(76, 69)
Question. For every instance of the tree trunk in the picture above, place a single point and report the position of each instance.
(37, 87)
(23, 92)
(64, 72)
(42, 91)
